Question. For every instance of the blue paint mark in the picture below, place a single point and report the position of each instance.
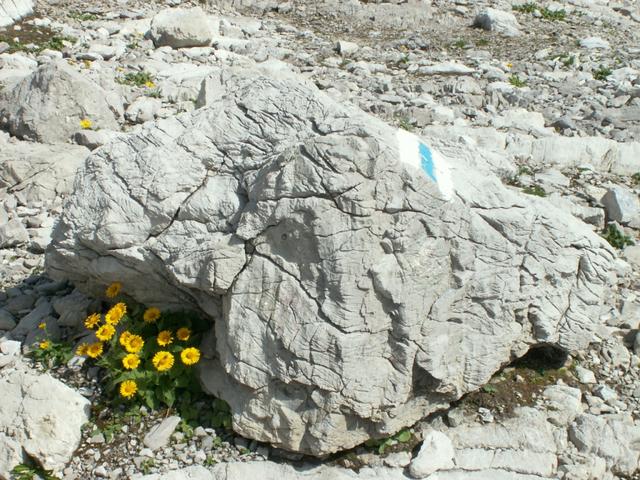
(426, 160)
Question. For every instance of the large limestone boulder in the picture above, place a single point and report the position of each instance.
(13, 10)
(40, 418)
(357, 279)
(48, 105)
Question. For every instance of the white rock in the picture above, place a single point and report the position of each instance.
(591, 43)
(143, 109)
(160, 434)
(40, 417)
(436, 453)
(446, 68)
(13, 233)
(13, 10)
(621, 205)
(32, 112)
(346, 48)
(179, 28)
(584, 375)
(499, 21)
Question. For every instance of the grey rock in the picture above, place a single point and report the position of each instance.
(621, 205)
(584, 375)
(274, 183)
(7, 321)
(179, 28)
(13, 10)
(31, 321)
(446, 68)
(13, 233)
(591, 43)
(39, 173)
(436, 453)
(72, 308)
(346, 48)
(10, 347)
(616, 439)
(160, 434)
(605, 393)
(93, 139)
(143, 109)
(499, 21)
(33, 111)
(563, 404)
(40, 418)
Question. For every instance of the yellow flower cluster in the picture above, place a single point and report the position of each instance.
(120, 329)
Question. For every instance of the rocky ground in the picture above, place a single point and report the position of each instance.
(550, 90)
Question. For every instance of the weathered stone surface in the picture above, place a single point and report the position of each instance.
(48, 105)
(13, 10)
(40, 417)
(178, 28)
(499, 21)
(39, 173)
(621, 204)
(436, 453)
(358, 279)
(159, 435)
(614, 439)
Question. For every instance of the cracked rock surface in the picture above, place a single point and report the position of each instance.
(339, 259)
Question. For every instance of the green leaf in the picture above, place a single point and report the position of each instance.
(403, 436)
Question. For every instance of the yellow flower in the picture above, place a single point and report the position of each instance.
(151, 314)
(165, 338)
(183, 334)
(45, 344)
(115, 313)
(92, 320)
(105, 332)
(95, 349)
(135, 344)
(190, 356)
(163, 361)
(42, 326)
(131, 361)
(149, 84)
(82, 349)
(508, 65)
(85, 123)
(113, 289)
(125, 337)
(128, 388)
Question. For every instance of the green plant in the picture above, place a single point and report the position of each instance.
(209, 461)
(529, 7)
(516, 81)
(536, 190)
(57, 43)
(602, 73)
(489, 389)
(616, 238)
(381, 444)
(27, 472)
(82, 17)
(567, 60)
(138, 79)
(155, 93)
(405, 124)
(50, 353)
(553, 15)
(146, 465)
(482, 42)
(459, 44)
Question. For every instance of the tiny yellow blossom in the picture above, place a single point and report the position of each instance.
(92, 320)
(190, 356)
(149, 84)
(95, 349)
(128, 388)
(45, 344)
(163, 361)
(135, 344)
(115, 313)
(105, 332)
(508, 65)
(125, 337)
(42, 326)
(86, 124)
(165, 338)
(183, 334)
(113, 290)
(82, 349)
(131, 361)
(151, 314)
